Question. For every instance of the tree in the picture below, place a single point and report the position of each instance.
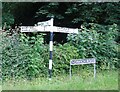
(72, 13)
(101, 13)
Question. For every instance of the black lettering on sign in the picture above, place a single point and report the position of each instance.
(82, 61)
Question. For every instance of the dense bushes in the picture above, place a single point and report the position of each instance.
(62, 56)
(21, 57)
(97, 41)
(27, 56)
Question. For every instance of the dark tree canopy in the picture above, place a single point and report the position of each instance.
(67, 13)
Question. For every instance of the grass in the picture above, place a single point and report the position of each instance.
(105, 80)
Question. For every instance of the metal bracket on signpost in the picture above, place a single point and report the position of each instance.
(83, 61)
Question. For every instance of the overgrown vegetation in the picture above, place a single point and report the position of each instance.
(99, 42)
(27, 57)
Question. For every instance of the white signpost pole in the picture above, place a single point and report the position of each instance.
(51, 49)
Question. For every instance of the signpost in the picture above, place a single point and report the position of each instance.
(83, 61)
(48, 29)
(47, 26)
(45, 23)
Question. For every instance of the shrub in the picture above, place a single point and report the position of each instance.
(98, 41)
(20, 57)
(27, 57)
(62, 55)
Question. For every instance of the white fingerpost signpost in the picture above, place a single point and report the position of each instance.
(51, 49)
(47, 26)
(83, 61)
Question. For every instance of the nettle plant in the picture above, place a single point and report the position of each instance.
(97, 41)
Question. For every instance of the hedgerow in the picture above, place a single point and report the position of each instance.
(26, 56)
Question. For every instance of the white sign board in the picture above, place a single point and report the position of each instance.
(47, 29)
(44, 23)
(83, 61)
(33, 29)
(65, 30)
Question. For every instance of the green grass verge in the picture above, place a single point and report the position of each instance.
(105, 80)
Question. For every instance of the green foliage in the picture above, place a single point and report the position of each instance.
(103, 13)
(27, 56)
(98, 42)
(49, 10)
(62, 55)
(20, 57)
(34, 49)
(8, 19)
(67, 13)
(7, 13)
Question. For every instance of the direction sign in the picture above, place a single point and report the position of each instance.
(82, 61)
(33, 29)
(47, 29)
(65, 30)
(44, 23)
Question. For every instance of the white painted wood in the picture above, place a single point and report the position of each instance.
(48, 29)
(44, 23)
(50, 64)
(51, 45)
